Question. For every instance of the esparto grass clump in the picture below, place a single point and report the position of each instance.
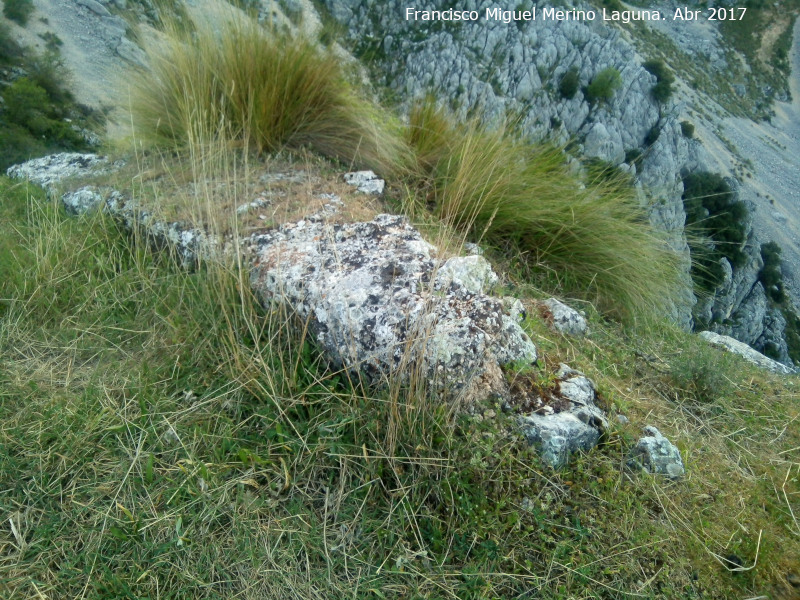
(589, 232)
(268, 88)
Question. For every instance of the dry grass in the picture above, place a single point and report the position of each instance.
(589, 235)
(284, 91)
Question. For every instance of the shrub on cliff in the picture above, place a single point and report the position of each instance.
(603, 86)
(590, 234)
(662, 90)
(18, 10)
(719, 223)
(569, 84)
(770, 275)
(266, 88)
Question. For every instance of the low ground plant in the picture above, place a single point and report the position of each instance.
(164, 437)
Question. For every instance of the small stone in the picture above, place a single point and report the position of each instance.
(656, 454)
(82, 200)
(564, 319)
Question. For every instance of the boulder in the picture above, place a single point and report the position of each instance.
(746, 352)
(375, 305)
(49, 170)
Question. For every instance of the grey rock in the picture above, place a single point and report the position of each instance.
(81, 201)
(579, 426)
(474, 273)
(366, 182)
(367, 291)
(749, 354)
(656, 454)
(49, 170)
(95, 7)
(564, 319)
(131, 52)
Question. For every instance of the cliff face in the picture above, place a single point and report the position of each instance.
(515, 70)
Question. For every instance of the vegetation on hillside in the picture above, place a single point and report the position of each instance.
(283, 92)
(719, 224)
(38, 110)
(590, 235)
(163, 436)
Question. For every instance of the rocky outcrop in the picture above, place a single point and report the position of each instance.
(50, 170)
(516, 68)
(378, 304)
(498, 68)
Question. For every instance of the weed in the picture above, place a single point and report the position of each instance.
(687, 129)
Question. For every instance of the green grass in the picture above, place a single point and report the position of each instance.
(161, 437)
(283, 92)
(589, 236)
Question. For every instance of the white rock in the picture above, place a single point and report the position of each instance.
(366, 182)
(746, 352)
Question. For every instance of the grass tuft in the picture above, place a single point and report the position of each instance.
(269, 88)
(591, 234)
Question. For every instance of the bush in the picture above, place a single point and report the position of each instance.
(652, 135)
(770, 276)
(10, 51)
(718, 222)
(662, 90)
(569, 84)
(603, 86)
(687, 129)
(514, 195)
(282, 92)
(18, 10)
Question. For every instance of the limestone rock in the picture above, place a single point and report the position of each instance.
(578, 424)
(746, 352)
(366, 182)
(562, 318)
(49, 170)
(474, 273)
(373, 303)
(656, 454)
(82, 200)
